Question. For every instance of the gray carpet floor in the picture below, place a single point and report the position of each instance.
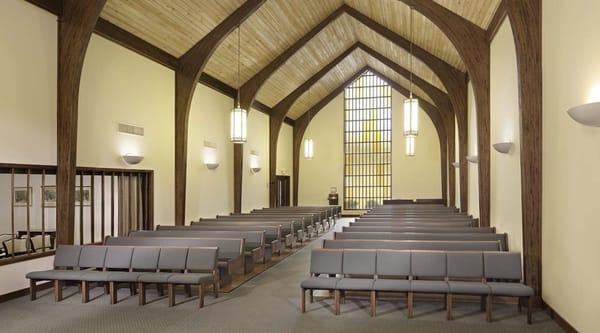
(267, 303)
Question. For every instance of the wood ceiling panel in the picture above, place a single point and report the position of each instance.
(342, 72)
(173, 26)
(265, 35)
(396, 16)
(479, 12)
(316, 54)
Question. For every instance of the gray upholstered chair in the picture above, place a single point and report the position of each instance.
(393, 272)
(322, 261)
(358, 271)
(117, 258)
(503, 273)
(144, 259)
(91, 261)
(66, 260)
(200, 269)
(465, 277)
(428, 274)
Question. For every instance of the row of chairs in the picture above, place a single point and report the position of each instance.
(485, 274)
(135, 266)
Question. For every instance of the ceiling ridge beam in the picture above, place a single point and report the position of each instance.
(189, 68)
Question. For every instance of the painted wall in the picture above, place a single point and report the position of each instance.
(209, 192)
(505, 194)
(571, 158)
(456, 159)
(285, 145)
(473, 169)
(255, 186)
(414, 177)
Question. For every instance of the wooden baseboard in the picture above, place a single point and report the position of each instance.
(23, 292)
(562, 322)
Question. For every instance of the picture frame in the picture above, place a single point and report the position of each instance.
(22, 196)
(49, 196)
(87, 196)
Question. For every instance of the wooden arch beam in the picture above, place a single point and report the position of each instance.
(472, 45)
(188, 71)
(453, 79)
(75, 26)
(526, 21)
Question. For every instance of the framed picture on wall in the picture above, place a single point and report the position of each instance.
(87, 195)
(22, 196)
(49, 196)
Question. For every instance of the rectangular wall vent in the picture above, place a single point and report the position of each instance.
(131, 129)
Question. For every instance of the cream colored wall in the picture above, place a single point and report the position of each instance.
(119, 86)
(456, 159)
(255, 188)
(27, 106)
(285, 143)
(505, 193)
(473, 169)
(414, 177)
(571, 159)
(209, 192)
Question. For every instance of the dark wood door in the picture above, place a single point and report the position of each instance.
(282, 191)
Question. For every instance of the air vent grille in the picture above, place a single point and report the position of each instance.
(131, 129)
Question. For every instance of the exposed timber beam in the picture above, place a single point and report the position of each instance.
(499, 16)
(189, 68)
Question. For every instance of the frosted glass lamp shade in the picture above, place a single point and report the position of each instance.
(503, 147)
(132, 159)
(473, 158)
(309, 149)
(410, 145)
(238, 125)
(254, 162)
(411, 116)
(586, 114)
(210, 156)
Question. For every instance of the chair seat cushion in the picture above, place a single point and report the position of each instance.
(426, 286)
(190, 278)
(469, 288)
(44, 275)
(319, 283)
(391, 285)
(123, 276)
(355, 284)
(94, 276)
(510, 289)
(162, 277)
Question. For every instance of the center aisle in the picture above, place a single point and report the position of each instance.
(268, 303)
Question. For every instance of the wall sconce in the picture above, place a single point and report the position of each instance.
(503, 147)
(473, 158)
(132, 159)
(456, 164)
(210, 155)
(586, 114)
(254, 162)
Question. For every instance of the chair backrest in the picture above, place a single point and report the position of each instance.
(325, 261)
(92, 256)
(145, 258)
(202, 259)
(67, 256)
(15, 246)
(393, 263)
(359, 262)
(465, 265)
(428, 264)
(118, 257)
(502, 265)
(40, 242)
(172, 258)
(228, 248)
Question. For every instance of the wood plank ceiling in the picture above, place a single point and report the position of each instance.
(176, 25)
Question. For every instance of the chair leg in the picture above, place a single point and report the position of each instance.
(410, 304)
(160, 289)
(303, 301)
(310, 296)
(32, 290)
(58, 296)
(142, 293)
(188, 290)
(343, 296)
(216, 289)
(132, 290)
(482, 303)
(85, 291)
(488, 308)
(337, 302)
(445, 301)
(112, 292)
(449, 307)
(106, 288)
(171, 293)
(373, 303)
(519, 307)
(201, 295)
(529, 309)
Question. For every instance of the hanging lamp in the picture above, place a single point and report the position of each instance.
(411, 105)
(309, 145)
(239, 116)
(410, 141)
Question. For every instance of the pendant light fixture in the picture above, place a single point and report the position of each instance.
(411, 105)
(309, 145)
(238, 120)
(410, 141)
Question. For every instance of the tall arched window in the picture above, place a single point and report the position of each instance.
(367, 142)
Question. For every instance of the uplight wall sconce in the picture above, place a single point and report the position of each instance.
(473, 158)
(132, 159)
(210, 155)
(456, 164)
(586, 114)
(503, 147)
(254, 162)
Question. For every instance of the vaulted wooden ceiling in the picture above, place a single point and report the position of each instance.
(176, 25)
